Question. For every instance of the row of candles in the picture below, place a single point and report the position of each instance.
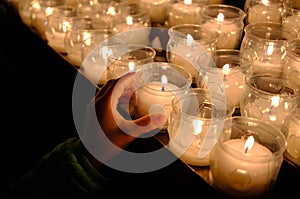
(220, 59)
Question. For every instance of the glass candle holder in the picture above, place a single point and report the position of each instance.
(24, 9)
(264, 11)
(227, 20)
(58, 23)
(291, 130)
(269, 96)
(267, 42)
(157, 84)
(41, 10)
(291, 60)
(188, 41)
(195, 124)
(291, 17)
(96, 52)
(185, 12)
(247, 157)
(85, 31)
(129, 59)
(231, 66)
(133, 19)
(158, 10)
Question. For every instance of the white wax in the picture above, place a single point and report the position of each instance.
(181, 13)
(229, 34)
(136, 33)
(243, 174)
(293, 143)
(145, 99)
(258, 66)
(157, 9)
(260, 13)
(56, 41)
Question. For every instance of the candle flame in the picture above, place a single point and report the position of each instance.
(249, 144)
(187, 2)
(131, 66)
(275, 101)
(87, 38)
(220, 18)
(225, 71)
(129, 20)
(189, 40)
(111, 11)
(66, 26)
(106, 52)
(197, 126)
(36, 5)
(48, 11)
(270, 49)
(265, 2)
(164, 81)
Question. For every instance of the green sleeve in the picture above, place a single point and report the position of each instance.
(64, 171)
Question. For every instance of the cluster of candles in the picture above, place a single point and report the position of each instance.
(251, 56)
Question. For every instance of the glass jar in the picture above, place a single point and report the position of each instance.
(185, 12)
(187, 42)
(263, 11)
(41, 10)
(291, 60)
(195, 124)
(291, 15)
(57, 25)
(158, 10)
(226, 72)
(247, 157)
(291, 130)
(134, 19)
(267, 41)
(270, 96)
(227, 20)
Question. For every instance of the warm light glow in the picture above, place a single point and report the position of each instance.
(270, 49)
(66, 26)
(106, 52)
(220, 18)
(48, 11)
(226, 69)
(275, 101)
(129, 20)
(36, 5)
(187, 2)
(249, 144)
(197, 126)
(189, 40)
(265, 2)
(111, 11)
(131, 66)
(87, 38)
(164, 81)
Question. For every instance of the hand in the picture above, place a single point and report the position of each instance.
(120, 131)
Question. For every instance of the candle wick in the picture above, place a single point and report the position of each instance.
(163, 87)
(246, 150)
(224, 77)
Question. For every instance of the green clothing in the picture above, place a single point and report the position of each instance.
(64, 171)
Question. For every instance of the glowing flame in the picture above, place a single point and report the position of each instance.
(249, 144)
(66, 26)
(275, 101)
(106, 52)
(129, 20)
(188, 2)
(189, 40)
(265, 2)
(220, 18)
(226, 69)
(197, 126)
(111, 11)
(48, 11)
(131, 66)
(270, 48)
(87, 38)
(36, 5)
(164, 81)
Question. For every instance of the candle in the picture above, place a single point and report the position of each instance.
(243, 168)
(229, 33)
(264, 11)
(158, 10)
(134, 32)
(184, 12)
(195, 125)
